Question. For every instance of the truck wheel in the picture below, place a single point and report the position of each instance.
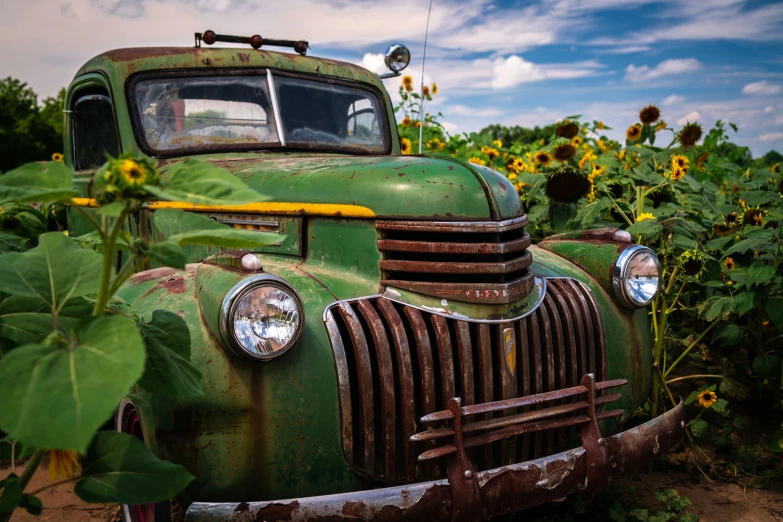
(128, 421)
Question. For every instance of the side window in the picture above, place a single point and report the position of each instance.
(94, 131)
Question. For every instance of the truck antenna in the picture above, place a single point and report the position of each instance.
(421, 91)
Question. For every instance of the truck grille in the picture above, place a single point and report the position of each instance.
(479, 262)
(396, 364)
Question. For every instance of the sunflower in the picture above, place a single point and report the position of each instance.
(406, 121)
(707, 398)
(703, 157)
(57, 156)
(434, 88)
(405, 145)
(407, 83)
(132, 172)
(644, 216)
(425, 91)
(567, 130)
(679, 161)
(728, 263)
(498, 144)
(492, 153)
(620, 155)
(510, 163)
(690, 134)
(600, 125)
(602, 146)
(598, 170)
(63, 463)
(775, 169)
(566, 184)
(477, 161)
(692, 262)
(519, 165)
(576, 141)
(660, 126)
(754, 216)
(416, 124)
(649, 114)
(542, 158)
(564, 152)
(634, 132)
(677, 173)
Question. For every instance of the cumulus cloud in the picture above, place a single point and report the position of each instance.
(644, 73)
(691, 117)
(514, 70)
(674, 99)
(374, 63)
(476, 112)
(771, 136)
(769, 109)
(762, 88)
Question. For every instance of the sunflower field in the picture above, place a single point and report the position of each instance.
(715, 218)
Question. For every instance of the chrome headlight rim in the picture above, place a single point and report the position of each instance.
(232, 299)
(620, 273)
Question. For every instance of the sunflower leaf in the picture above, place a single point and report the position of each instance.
(37, 183)
(187, 228)
(57, 395)
(698, 427)
(119, 468)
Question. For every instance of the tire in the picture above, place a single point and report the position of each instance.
(127, 421)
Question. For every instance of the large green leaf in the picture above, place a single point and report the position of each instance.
(37, 183)
(166, 253)
(119, 468)
(187, 228)
(53, 272)
(774, 308)
(759, 273)
(168, 371)
(10, 243)
(56, 396)
(27, 320)
(716, 307)
(204, 183)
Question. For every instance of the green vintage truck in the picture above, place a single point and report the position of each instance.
(403, 352)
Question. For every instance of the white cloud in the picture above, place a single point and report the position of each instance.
(691, 117)
(475, 112)
(771, 136)
(762, 88)
(674, 99)
(629, 49)
(769, 109)
(644, 73)
(374, 63)
(514, 70)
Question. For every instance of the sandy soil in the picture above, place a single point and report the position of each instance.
(720, 502)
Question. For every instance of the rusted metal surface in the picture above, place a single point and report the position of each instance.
(502, 490)
(450, 267)
(474, 262)
(465, 491)
(419, 360)
(406, 399)
(344, 383)
(386, 383)
(366, 410)
(454, 226)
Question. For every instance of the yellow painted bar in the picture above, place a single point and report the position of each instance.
(297, 209)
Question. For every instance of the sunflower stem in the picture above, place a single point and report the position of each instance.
(689, 348)
(695, 376)
(27, 474)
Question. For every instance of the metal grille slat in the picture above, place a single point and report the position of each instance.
(385, 372)
(395, 363)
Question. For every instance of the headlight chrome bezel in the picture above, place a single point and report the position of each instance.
(228, 308)
(620, 275)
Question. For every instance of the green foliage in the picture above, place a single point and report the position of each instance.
(69, 350)
(28, 131)
(119, 468)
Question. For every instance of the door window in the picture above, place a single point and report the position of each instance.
(94, 131)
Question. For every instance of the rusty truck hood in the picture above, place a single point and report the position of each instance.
(401, 187)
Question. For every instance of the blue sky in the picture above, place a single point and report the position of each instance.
(516, 63)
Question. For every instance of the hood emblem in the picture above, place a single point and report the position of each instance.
(510, 350)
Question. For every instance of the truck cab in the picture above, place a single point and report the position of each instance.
(403, 351)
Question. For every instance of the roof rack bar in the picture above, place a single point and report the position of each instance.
(256, 41)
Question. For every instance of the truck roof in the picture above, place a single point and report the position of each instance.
(119, 64)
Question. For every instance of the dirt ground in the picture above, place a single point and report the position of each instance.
(719, 502)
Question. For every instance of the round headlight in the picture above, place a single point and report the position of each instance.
(397, 57)
(261, 317)
(636, 276)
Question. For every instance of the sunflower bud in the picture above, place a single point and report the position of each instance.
(690, 134)
(692, 262)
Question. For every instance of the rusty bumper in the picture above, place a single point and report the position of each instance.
(474, 496)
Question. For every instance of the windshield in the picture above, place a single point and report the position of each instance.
(208, 113)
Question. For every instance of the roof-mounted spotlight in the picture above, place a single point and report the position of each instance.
(397, 58)
(255, 41)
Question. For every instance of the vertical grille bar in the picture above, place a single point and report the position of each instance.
(406, 384)
(384, 388)
(485, 384)
(366, 417)
(386, 381)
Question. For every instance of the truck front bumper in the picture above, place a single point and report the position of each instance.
(468, 496)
